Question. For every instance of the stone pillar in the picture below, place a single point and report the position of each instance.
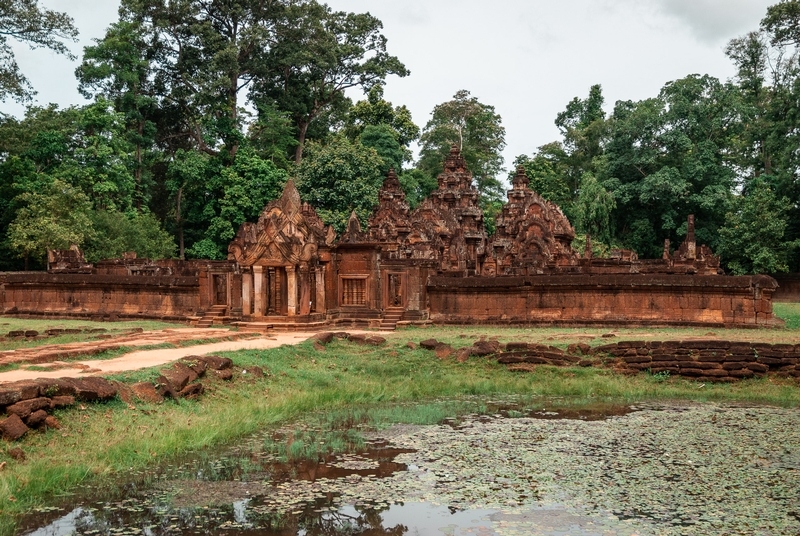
(320, 287)
(691, 250)
(291, 290)
(247, 290)
(258, 288)
(304, 307)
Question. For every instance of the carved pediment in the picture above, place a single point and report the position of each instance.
(288, 232)
(531, 231)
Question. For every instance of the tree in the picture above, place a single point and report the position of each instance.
(752, 241)
(338, 178)
(201, 56)
(381, 138)
(115, 233)
(52, 219)
(669, 157)
(272, 135)
(547, 173)
(375, 111)
(117, 69)
(584, 129)
(783, 22)
(593, 209)
(26, 22)
(477, 130)
(214, 200)
(318, 55)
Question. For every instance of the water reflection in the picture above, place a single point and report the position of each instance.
(242, 494)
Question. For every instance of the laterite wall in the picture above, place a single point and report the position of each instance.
(604, 299)
(101, 296)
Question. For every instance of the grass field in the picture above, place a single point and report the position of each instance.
(8, 324)
(104, 444)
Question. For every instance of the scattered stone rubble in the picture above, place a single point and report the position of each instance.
(27, 403)
(326, 337)
(709, 360)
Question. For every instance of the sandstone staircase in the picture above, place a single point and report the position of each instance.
(391, 317)
(216, 311)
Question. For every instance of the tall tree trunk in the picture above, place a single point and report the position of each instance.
(301, 140)
(26, 261)
(179, 223)
(138, 174)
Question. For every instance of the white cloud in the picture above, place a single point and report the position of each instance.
(714, 21)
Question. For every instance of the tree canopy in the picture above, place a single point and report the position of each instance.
(201, 111)
(27, 22)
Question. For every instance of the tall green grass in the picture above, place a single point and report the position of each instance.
(789, 313)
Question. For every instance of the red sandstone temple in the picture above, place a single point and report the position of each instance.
(435, 263)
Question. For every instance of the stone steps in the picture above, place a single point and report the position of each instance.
(391, 317)
(207, 318)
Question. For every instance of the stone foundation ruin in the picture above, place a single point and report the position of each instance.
(435, 263)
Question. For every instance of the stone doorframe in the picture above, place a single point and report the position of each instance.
(395, 289)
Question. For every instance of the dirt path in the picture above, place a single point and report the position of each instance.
(48, 353)
(149, 358)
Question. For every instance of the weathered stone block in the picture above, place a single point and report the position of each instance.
(216, 362)
(376, 340)
(224, 374)
(24, 408)
(61, 401)
(94, 389)
(197, 365)
(193, 390)
(12, 428)
(484, 348)
(164, 388)
(254, 372)
(146, 392)
(429, 344)
(324, 338)
(632, 344)
(733, 366)
(179, 375)
(36, 418)
(719, 373)
(703, 365)
(637, 359)
(357, 338)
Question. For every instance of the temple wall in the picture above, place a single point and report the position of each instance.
(581, 299)
(788, 288)
(92, 295)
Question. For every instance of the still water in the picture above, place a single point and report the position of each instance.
(668, 469)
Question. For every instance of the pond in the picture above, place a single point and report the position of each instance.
(678, 468)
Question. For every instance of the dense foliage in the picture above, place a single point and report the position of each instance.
(201, 111)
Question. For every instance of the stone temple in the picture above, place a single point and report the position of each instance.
(433, 264)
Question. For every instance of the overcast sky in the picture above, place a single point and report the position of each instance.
(528, 58)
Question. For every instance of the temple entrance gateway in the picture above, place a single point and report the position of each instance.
(276, 291)
(284, 254)
(220, 282)
(395, 290)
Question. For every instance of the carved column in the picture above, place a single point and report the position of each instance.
(247, 291)
(291, 290)
(304, 282)
(320, 287)
(258, 288)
